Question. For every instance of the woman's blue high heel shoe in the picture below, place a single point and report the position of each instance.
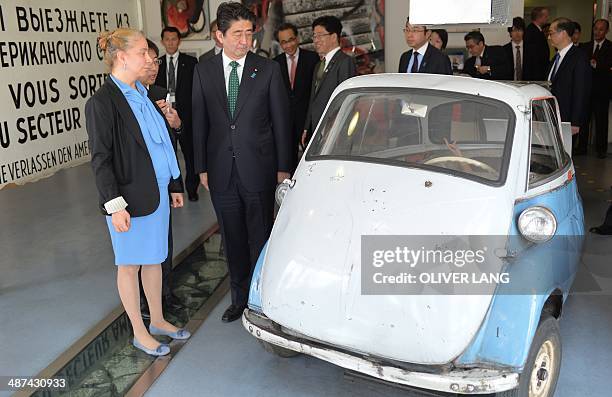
(161, 350)
(181, 333)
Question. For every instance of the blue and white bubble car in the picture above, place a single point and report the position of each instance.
(426, 155)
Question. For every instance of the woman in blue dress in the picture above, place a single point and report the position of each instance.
(135, 166)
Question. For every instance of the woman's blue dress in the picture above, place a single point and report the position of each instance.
(146, 241)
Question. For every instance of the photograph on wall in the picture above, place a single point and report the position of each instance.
(190, 17)
(362, 20)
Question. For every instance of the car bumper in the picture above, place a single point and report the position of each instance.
(469, 381)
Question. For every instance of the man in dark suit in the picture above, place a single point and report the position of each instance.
(242, 143)
(176, 75)
(218, 46)
(297, 67)
(422, 57)
(569, 75)
(537, 54)
(486, 62)
(333, 68)
(599, 52)
(515, 49)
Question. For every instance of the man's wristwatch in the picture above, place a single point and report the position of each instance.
(178, 130)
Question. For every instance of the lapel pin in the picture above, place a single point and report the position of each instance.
(254, 73)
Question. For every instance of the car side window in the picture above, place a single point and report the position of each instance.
(547, 156)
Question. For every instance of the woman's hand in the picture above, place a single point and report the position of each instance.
(121, 221)
(177, 200)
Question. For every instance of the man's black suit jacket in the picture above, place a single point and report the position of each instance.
(341, 67)
(434, 62)
(119, 156)
(208, 54)
(257, 138)
(537, 54)
(509, 50)
(156, 93)
(571, 85)
(184, 83)
(299, 96)
(602, 75)
(495, 57)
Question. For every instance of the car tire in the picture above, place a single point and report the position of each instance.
(277, 350)
(545, 353)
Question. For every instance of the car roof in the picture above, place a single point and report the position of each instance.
(513, 93)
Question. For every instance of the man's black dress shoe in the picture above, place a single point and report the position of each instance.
(604, 231)
(232, 313)
(193, 196)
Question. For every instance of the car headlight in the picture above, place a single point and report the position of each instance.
(282, 189)
(537, 224)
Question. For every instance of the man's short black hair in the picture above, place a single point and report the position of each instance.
(443, 36)
(475, 36)
(577, 27)
(229, 12)
(604, 21)
(329, 23)
(170, 29)
(565, 24)
(518, 23)
(153, 46)
(286, 26)
(423, 26)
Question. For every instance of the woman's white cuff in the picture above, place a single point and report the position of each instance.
(115, 205)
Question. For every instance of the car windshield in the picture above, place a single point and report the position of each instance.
(465, 135)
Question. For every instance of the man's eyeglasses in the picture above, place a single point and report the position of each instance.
(157, 61)
(413, 30)
(319, 36)
(291, 40)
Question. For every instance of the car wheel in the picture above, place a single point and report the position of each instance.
(277, 350)
(541, 372)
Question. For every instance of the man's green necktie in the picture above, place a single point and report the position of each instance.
(320, 73)
(232, 92)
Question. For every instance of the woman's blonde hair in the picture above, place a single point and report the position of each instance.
(120, 39)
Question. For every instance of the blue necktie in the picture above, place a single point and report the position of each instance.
(555, 65)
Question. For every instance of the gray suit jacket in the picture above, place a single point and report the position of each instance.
(340, 68)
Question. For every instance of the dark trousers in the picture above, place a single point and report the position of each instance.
(192, 181)
(295, 148)
(607, 224)
(598, 109)
(245, 219)
(166, 268)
